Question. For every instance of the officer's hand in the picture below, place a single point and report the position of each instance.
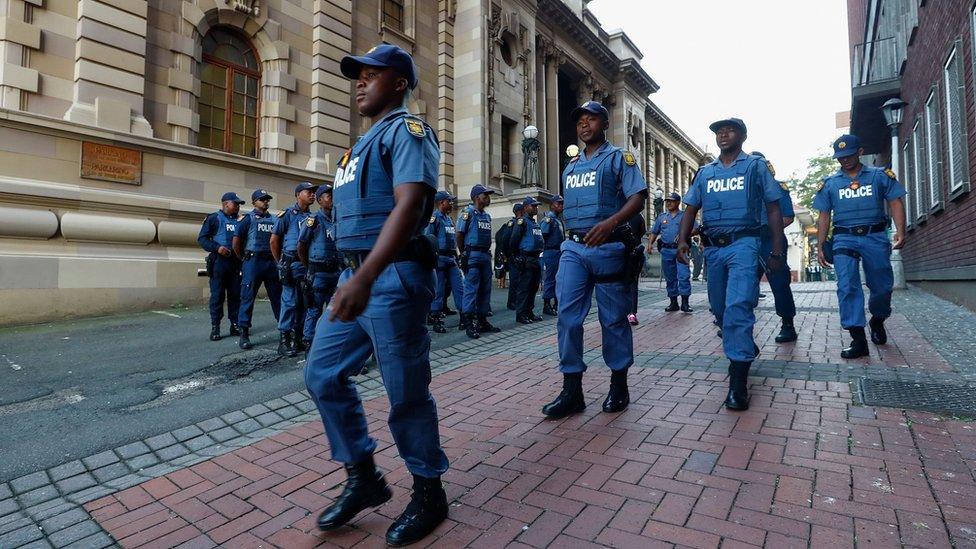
(350, 299)
(683, 250)
(599, 233)
(820, 257)
(224, 251)
(899, 240)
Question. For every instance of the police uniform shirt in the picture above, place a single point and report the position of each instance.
(597, 187)
(666, 226)
(731, 198)
(859, 200)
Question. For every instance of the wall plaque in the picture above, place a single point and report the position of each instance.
(111, 163)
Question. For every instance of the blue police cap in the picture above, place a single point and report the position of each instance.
(673, 196)
(305, 185)
(443, 195)
(259, 194)
(557, 198)
(385, 56)
(592, 107)
(481, 189)
(231, 196)
(734, 122)
(529, 201)
(322, 190)
(846, 145)
(517, 207)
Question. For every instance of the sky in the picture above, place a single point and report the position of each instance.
(781, 66)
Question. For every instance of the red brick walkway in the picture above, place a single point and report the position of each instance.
(803, 467)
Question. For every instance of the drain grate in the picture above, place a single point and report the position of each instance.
(932, 397)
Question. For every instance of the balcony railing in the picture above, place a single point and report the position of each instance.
(877, 61)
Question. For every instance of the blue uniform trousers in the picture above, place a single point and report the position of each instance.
(530, 272)
(477, 284)
(677, 274)
(733, 293)
(448, 278)
(579, 267)
(225, 282)
(393, 327)
(292, 302)
(258, 271)
(323, 287)
(550, 264)
(875, 251)
(779, 283)
(514, 272)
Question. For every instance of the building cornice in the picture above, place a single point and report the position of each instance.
(557, 15)
(672, 129)
(636, 76)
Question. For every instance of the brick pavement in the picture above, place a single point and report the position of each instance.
(804, 466)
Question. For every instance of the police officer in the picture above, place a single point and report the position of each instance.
(284, 247)
(474, 241)
(506, 256)
(526, 243)
(317, 252)
(384, 190)
(441, 227)
(730, 193)
(252, 243)
(677, 275)
(554, 234)
(779, 279)
(223, 267)
(859, 198)
(603, 190)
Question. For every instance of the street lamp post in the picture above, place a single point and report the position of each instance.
(530, 157)
(894, 111)
(658, 202)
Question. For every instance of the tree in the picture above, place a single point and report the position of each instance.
(819, 167)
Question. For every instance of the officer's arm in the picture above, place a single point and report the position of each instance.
(459, 231)
(304, 237)
(823, 227)
(277, 237)
(897, 209)
(411, 200)
(238, 242)
(238, 245)
(515, 238)
(687, 224)
(205, 238)
(774, 216)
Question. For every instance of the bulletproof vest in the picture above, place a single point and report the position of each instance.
(259, 233)
(295, 218)
(555, 235)
(226, 227)
(445, 232)
(478, 230)
(532, 237)
(860, 201)
(731, 197)
(503, 235)
(591, 190)
(322, 247)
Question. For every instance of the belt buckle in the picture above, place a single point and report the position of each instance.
(576, 237)
(860, 230)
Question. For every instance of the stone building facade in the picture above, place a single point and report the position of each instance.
(123, 121)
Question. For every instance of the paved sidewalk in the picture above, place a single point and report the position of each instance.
(805, 466)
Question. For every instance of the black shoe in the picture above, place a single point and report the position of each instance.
(523, 320)
(285, 347)
(858, 348)
(619, 397)
(673, 306)
(297, 344)
(449, 312)
(245, 341)
(787, 333)
(535, 317)
(738, 397)
(685, 308)
(439, 326)
(215, 333)
(364, 488)
(235, 330)
(426, 510)
(471, 327)
(570, 400)
(486, 327)
(879, 335)
(548, 308)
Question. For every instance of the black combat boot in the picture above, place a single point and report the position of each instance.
(487, 327)
(285, 347)
(364, 488)
(215, 332)
(738, 397)
(859, 347)
(245, 341)
(548, 307)
(878, 333)
(426, 510)
(463, 322)
(235, 330)
(438, 325)
(685, 308)
(471, 326)
(297, 343)
(534, 317)
(787, 333)
(522, 319)
(673, 306)
(570, 399)
(619, 397)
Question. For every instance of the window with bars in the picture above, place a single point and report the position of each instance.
(393, 14)
(955, 120)
(933, 149)
(229, 85)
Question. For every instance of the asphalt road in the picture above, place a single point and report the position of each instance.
(75, 388)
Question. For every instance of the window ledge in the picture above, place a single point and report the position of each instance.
(962, 190)
(936, 208)
(394, 36)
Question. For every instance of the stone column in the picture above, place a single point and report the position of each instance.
(18, 36)
(540, 114)
(445, 91)
(329, 124)
(110, 66)
(553, 154)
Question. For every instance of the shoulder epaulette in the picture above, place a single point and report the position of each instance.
(281, 213)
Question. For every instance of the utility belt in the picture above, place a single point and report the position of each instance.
(721, 241)
(663, 246)
(861, 230)
(420, 249)
(577, 236)
(332, 267)
(527, 257)
(485, 249)
(260, 255)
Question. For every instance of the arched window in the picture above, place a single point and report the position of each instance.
(228, 94)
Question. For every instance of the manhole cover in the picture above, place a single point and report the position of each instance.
(932, 397)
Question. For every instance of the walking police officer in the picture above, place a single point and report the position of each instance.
(554, 235)
(317, 252)
(384, 190)
(730, 193)
(604, 189)
(284, 248)
(441, 227)
(474, 241)
(223, 267)
(859, 198)
(252, 243)
(779, 279)
(526, 244)
(677, 275)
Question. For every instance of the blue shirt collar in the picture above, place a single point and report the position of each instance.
(603, 148)
(742, 156)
